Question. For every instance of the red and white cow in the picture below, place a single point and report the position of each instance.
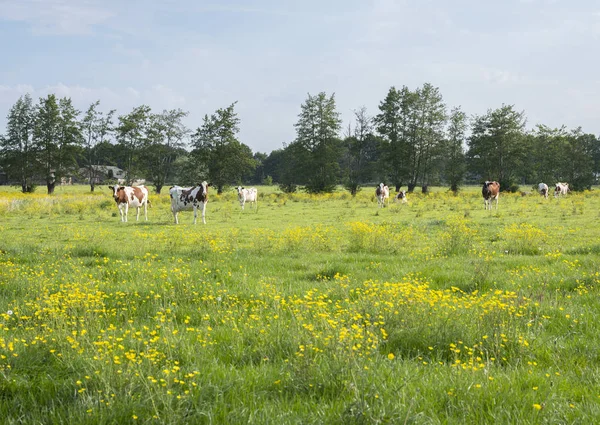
(189, 198)
(247, 195)
(401, 195)
(382, 192)
(543, 189)
(130, 196)
(490, 191)
(561, 189)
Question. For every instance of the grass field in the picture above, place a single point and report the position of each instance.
(310, 309)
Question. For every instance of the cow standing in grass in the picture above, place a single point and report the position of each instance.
(382, 192)
(130, 196)
(490, 191)
(561, 189)
(543, 189)
(247, 195)
(189, 198)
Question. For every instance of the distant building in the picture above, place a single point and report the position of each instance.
(103, 173)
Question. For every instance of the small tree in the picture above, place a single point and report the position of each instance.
(217, 149)
(96, 129)
(46, 136)
(166, 134)
(132, 133)
(361, 151)
(455, 166)
(18, 153)
(316, 132)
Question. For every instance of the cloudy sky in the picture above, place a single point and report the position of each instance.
(543, 56)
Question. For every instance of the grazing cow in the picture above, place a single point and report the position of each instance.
(561, 189)
(382, 192)
(130, 196)
(401, 195)
(247, 195)
(543, 189)
(490, 191)
(189, 198)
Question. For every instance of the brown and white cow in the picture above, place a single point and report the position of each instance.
(382, 192)
(561, 189)
(130, 196)
(490, 191)
(247, 195)
(189, 198)
(401, 196)
(543, 189)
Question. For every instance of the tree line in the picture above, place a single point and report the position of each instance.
(413, 140)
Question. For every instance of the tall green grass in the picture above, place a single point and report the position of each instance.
(312, 309)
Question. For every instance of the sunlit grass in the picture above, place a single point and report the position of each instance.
(313, 309)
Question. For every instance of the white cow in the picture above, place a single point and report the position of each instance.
(247, 195)
(401, 196)
(561, 189)
(130, 196)
(189, 198)
(543, 189)
(382, 192)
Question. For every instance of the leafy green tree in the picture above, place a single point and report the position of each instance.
(426, 146)
(46, 135)
(17, 151)
(317, 134)
(579, 164)
(361, 152)
(455, 165)
(96, 129)
(496, 147)
(217, 149)
(395, 124)
(70, 137)
(132, 133)
(166, 134)
(294, 167)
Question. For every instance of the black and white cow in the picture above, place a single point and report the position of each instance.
(189, 198)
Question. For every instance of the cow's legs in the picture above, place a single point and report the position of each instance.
(195, 213)
(121, 208)
(204, 212)
(137, 217)
(146, 210)
(126, 211)
(175, 217)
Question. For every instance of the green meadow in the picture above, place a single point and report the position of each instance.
(306, 309)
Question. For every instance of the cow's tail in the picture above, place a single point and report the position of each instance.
(149, 203)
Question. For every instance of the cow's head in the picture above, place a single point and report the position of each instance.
(115, 189)
(205, 190)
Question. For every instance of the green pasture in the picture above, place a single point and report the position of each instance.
(306, 309)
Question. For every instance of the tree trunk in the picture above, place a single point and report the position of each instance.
(424, 189)
(411, 187)
(158, 188)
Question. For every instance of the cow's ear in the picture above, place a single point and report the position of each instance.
(111, 187)
(208, 184)
(242, 187)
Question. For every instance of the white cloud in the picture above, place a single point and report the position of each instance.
(55, 16)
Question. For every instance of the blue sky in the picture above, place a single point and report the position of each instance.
(543, 56)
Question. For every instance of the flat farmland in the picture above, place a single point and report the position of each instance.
(307, 309)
